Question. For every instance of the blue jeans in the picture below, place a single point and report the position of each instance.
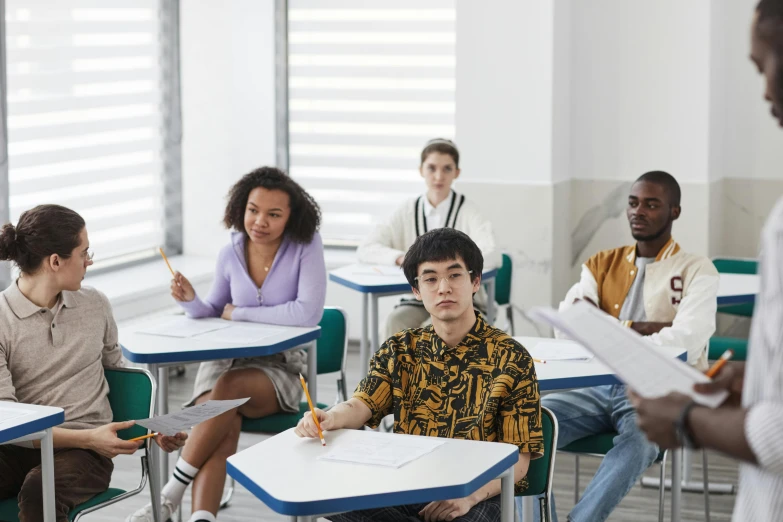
(590, 411)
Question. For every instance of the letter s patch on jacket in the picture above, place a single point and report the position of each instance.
(676, 286)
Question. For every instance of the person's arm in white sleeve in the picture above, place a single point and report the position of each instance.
(385, 244)
(585, 289)
(694, 323)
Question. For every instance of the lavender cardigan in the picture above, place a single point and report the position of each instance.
(293, 293)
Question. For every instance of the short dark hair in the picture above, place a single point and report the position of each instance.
(305, 215)
(443, 146)
(40, 232)
(442, 244)
(667, 181)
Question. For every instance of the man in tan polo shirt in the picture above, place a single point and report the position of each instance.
(55, 340)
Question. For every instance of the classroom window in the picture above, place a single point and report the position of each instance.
(87, 102)
(368, 84)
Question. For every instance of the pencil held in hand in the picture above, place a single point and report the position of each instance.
(728, 354)
(149, 435)
(312, 410)
(166, 259)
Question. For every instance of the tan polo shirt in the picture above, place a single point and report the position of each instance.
(56, 357)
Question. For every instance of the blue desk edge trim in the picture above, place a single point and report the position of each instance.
(736, 299)
(322, 507)
(224, 353)
(44, 423)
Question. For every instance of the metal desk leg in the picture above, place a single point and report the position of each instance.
(47, 475)
(364, 350)
(507, 496)
(155, 455)
(312, 371)
(687, 483)
(676, 484)
(163, 409)
(491, 301)
(528, 505)
(374, 343)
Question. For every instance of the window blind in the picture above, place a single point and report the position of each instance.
(369, 83)
(84, 124)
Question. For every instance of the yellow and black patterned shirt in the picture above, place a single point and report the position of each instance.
(485, 388)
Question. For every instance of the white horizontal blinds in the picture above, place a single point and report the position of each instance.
(369, 83)
(84, 126)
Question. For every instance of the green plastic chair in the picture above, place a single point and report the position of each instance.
(503, 291)
(131, 396)
(726, 265)
(541, 471)
(718, 345)
(600, 444)
(332, 348)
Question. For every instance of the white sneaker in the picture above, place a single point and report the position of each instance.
(145, 514)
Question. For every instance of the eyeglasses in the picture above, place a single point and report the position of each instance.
(431, 281)
(88, 255)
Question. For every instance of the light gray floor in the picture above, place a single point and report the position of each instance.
(639, 506)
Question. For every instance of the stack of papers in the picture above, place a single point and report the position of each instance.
(384, 450)
(173, 423)
(181, 326)
(560, 351)
(634, 360)
(10, 414)
(378, 270)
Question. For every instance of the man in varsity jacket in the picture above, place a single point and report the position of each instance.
(438, 207)
(662, 292)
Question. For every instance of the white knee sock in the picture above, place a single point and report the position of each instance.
(183, 475)
(198, 516)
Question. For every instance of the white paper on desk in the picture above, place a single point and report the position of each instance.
(173, 423)
(181, 326)
(240, 334)
(635, 361)
(391, 451)
(9, 414)
(377, 270)
(560, 351)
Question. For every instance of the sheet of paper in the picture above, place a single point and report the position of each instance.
(241, 334)
(384, 450)
(181, 326)
(173, 423)
(378, 270)
(634, 361)
(560, 351)
(7, 414)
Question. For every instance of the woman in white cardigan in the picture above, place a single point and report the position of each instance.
(439, 206)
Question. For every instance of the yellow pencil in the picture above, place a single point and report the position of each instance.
(142, 437)
(312, 410)
(723, 359)
(539, 360)
(166, 259)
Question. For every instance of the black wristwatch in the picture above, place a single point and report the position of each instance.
(682, 429)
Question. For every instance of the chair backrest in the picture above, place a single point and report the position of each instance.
(333, 342)
(726, 265)
(503, 282)
(540, 471)
(131, 396)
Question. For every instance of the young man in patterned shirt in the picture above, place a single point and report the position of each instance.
(457, 378)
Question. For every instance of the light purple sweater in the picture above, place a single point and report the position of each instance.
(293, 293)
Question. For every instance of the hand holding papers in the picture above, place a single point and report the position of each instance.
(636, 362)
(173, 423)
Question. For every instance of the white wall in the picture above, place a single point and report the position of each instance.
(504, 90)
(228, 107)
(746, 141)
(640, 88)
